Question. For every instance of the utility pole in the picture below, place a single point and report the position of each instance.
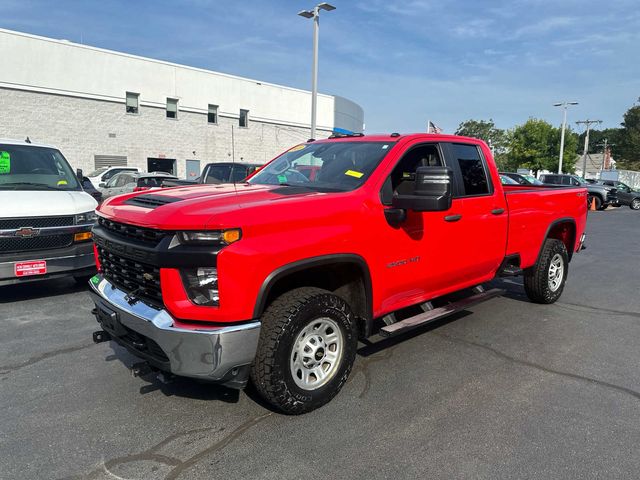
(606, 145)
(588, 123)
(564, 105)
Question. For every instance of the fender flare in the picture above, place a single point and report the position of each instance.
(312, 262)
(550, 227)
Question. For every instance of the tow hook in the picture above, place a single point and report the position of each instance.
(101, 336)
(141, 369)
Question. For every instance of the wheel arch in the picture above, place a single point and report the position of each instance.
(346, 275)
(563, 229)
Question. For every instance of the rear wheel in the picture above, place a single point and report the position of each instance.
(545, 281)
(635, 204)
(306, 349)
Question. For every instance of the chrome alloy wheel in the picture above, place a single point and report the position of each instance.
(635, 204)
(316, 354)
(556, 272)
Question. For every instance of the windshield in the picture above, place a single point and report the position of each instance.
(533, 180)
(97, 172)
(580, 180)
(326, 166)
(25, 167)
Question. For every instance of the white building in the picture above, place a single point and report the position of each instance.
(108, 108)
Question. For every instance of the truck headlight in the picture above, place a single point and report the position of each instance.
(209, 237)
(201, 285)
(86, 217)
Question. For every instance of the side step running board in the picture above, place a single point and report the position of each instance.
(438, 313)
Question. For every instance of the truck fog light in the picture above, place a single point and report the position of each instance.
(201, 285)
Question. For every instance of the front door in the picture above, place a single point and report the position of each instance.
(193, 169)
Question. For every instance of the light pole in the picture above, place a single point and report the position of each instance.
(564, 124)
(315, 14)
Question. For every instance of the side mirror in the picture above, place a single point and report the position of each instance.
(432, 191)
(79, 174)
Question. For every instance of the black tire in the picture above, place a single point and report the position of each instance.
(282, 322)
(635, 204)
(537, 282)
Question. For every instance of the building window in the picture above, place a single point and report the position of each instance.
(172, 108)
(244, 118)
(132, 102)
(212, 115)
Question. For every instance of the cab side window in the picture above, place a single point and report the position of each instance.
(403, 177)
(472, 171)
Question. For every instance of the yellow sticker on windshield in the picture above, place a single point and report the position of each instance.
(353, 173)
(5, 162)
(62, 182)
(297, 148)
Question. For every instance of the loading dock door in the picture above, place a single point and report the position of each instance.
(161, 165)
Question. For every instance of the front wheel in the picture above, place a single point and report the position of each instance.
(635, 204)
(545, 281)
(306, 350)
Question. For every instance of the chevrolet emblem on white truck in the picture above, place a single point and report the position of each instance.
(27, 232)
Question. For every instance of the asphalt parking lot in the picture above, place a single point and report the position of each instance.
(508, 389)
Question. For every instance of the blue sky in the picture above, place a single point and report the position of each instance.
(404, 62)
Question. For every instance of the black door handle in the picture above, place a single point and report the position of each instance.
(452, 218)
(497, 211)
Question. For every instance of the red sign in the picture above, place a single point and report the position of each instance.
(24, 269)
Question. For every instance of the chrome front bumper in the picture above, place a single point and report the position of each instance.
(78, 259)
(222, 354)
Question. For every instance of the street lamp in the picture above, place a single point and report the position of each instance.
(315, 14)
(564, 124)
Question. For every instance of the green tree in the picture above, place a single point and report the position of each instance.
(536, 145)
(628, 144)
(484, 130)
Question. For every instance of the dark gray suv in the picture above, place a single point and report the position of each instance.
(603, 195)
(626, 195)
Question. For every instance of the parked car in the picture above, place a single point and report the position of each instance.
(127, 182)
(88, 187)
(506, 180)
(276, 280)
(522, 179)
(220, 172)
(45, 216)
(104, 174)
(602, 195)
(626, 195)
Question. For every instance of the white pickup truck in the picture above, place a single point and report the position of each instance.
(45, 216)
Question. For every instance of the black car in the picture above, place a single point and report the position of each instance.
(602, 195)
(88, 187)
(219, 172)
(522, 179)
(626, 195)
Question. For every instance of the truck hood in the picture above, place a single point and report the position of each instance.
(205, 206)
(44, 203)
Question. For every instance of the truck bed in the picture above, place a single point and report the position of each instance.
(533, 209)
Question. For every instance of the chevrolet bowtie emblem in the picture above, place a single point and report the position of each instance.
(27, 232)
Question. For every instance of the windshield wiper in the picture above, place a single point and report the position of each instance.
(29, 184)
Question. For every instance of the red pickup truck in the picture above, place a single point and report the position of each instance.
(277, 278)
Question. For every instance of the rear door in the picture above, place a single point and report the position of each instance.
(483, 221)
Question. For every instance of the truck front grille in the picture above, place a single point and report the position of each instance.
(141, 280)
(140, 234)
(46, 242)
(35, 222)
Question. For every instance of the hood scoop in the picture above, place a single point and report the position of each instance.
(151, 201)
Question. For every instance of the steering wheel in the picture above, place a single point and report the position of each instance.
(296, 176)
